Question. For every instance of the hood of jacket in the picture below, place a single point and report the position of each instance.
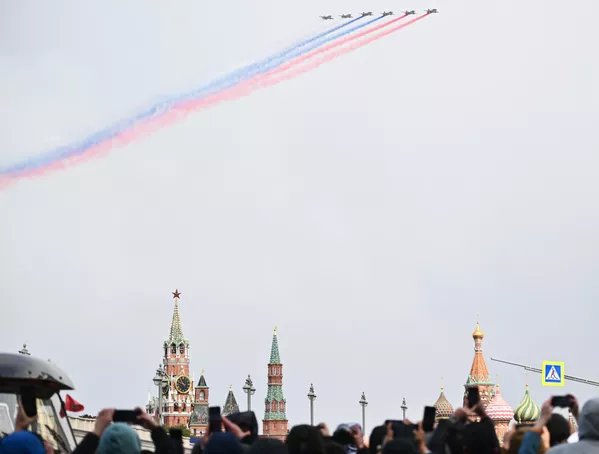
(588, 429)
(119, 438)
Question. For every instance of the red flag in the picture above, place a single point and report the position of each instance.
(71, 405)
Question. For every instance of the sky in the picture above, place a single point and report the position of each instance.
(370, 208)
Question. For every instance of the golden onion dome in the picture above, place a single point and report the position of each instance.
(478, 334)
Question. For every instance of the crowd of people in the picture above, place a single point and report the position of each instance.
(468, 431)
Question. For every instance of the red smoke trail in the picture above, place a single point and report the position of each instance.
(332, 56)
(266, 80)
(242, 90)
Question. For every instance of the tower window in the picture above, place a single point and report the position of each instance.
(174, 349)
(182, 349)
(202, 395)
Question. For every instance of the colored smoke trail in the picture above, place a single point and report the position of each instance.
(267, 80)
(242, 90)
(160, 109)
(255, 68)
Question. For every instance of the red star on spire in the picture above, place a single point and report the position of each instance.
(176, 294)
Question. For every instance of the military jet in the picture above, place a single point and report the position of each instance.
(369, 13)
(346, 16)
(387, 13)
(407, 13)
(326, 17)
(432, 11)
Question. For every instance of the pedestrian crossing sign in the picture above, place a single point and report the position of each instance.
(553, 373)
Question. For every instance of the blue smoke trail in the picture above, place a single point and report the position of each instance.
(162, 107)
(157, 109)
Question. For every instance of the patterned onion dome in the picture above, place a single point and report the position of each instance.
(443, 407)
(527, 411)
(498, 409)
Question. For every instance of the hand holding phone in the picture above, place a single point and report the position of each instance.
(473, 397)
(127, 416)
(28, 400)
(428, 419)
(561, 401)
(215, 420)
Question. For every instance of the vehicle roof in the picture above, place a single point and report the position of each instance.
(17, 371)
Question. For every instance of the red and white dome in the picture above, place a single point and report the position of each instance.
(498, 409)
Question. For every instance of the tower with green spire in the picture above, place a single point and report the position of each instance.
(177, 395)
(275, 424)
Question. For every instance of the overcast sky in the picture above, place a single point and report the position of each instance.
(370, 208)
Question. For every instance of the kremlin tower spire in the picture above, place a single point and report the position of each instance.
(230, 406)
(176, 334)
(198, 423)
(177, 394)
(275, 423)
(479, 374)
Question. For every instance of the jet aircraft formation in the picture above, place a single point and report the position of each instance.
(383, 14)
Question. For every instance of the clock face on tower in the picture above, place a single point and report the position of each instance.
(183, 384)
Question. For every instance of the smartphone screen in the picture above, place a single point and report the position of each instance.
(561, 401)
(428, 420)
(128, 416)
(473, 397)
(215, 421)
(29, 402)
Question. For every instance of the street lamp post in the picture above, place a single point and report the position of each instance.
(404, 408)
(363, 402)
(160, 381)
(312, 398)
(249, 389)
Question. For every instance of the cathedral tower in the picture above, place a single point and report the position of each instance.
(275, 423)
(198, 423)
(176, 395)
(479, 374)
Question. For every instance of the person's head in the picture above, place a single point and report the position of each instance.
(559, 429)
(305, 439)
(268, 446)
(376, 439)
(119, 438)
(21, 442)
(330, 447)
(247, 422)
(402, 446)
(516, 441)
(588, 428)
(223, 443)
(342, 435)
(480, 438)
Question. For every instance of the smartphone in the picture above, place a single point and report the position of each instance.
(28, 401)
(128, 416)
(473, 397)
(428, 419)
(561, 401)
(215, 420)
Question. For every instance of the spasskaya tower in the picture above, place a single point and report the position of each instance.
(176, 397)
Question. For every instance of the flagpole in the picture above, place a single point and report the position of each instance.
(64, 409)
